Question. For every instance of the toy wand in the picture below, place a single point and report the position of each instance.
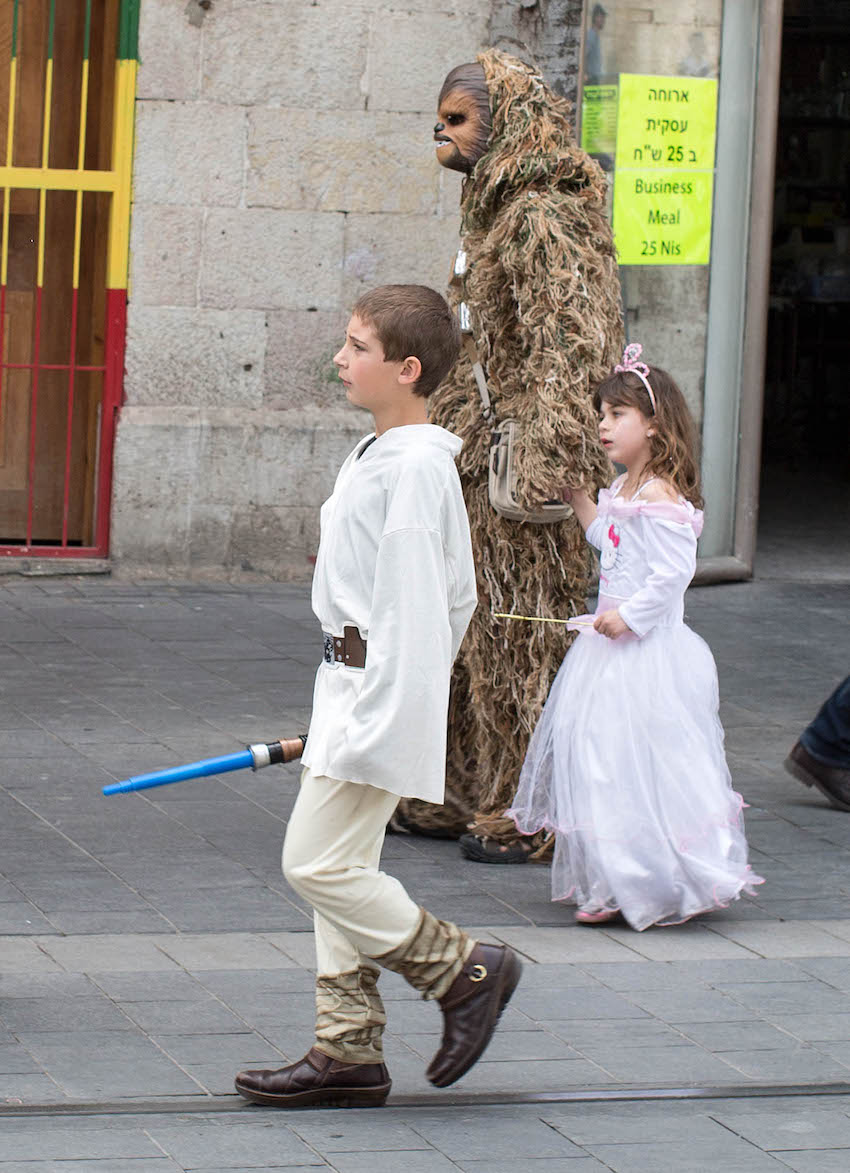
(253, 757)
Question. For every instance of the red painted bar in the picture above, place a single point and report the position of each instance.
(113, 390)
(33, 406)
(66, 492)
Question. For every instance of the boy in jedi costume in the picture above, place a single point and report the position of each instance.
(543, 296)
(394, 587)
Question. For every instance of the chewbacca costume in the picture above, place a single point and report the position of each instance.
(544, 298)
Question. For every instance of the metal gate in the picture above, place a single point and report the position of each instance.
(66, 102)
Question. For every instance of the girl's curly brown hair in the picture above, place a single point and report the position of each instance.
(673, 444)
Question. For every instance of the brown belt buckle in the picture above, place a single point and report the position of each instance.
(350, 648)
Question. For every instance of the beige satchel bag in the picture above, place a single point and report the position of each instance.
(503, 437)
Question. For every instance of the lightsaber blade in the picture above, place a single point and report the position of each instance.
(254, 757)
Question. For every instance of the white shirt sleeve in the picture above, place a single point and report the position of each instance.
(405, 693)
(671, 552)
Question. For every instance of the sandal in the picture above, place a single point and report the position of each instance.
(483, 850)
(600, 916)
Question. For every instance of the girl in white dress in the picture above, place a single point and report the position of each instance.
(626, 765)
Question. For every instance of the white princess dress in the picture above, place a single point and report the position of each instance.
(626, 764)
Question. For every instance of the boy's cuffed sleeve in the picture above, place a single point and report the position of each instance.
(671, 551)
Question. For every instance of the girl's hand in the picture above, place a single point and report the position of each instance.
(611, 624)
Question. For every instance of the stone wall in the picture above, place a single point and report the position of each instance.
(283, 164)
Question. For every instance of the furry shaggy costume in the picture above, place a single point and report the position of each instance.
(544, 299)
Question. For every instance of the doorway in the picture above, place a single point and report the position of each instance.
(805, 476)
(64, 206)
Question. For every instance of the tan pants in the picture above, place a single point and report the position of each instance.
(331, 857)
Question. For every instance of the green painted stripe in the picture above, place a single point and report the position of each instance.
(87, 32)
(15, 31)
(51, 28)
(128, 31)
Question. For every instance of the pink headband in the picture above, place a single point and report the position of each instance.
(631, 365)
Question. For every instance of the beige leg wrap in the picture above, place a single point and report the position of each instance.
(350, 1017)
(432, 957)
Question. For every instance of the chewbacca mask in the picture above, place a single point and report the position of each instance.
(462, 132)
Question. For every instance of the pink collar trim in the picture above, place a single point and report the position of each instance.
(680, 511)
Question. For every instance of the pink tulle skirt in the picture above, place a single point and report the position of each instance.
(627, 767)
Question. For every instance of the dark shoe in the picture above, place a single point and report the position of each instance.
(318, 1081)
(831, 781)
(483, 850)
(402, 824)
(472, 1006)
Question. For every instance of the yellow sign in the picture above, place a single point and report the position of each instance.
(599, 120)
(664, 170)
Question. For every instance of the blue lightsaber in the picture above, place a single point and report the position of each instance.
(253, 757)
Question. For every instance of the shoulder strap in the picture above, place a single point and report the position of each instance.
(480, 378)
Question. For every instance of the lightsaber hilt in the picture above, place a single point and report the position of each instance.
(275, 753)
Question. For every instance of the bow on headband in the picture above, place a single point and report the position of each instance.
(630, 364)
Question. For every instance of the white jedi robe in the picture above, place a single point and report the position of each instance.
(395, 561)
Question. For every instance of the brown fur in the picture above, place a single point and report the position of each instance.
(544, 297)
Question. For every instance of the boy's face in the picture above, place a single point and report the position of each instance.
(369, 380)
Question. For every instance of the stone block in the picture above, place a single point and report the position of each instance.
(268, 259)
(298, 368)
(285, 53)
(281, 542)
(344, 161)
(156, 458)
(410, 54)
(195, 357)
(189, 153)
(169, 52)
(381, 249)
(165, 251)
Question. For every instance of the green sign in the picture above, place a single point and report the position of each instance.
(599, 120)
(664, 169)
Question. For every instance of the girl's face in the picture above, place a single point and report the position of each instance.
(626, 434)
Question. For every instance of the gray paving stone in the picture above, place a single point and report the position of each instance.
(802, 1065)
(415, 1161)
(684, 1158)
(357, 1130)
(468, 1136)
(801, 1129)
(68, 1144)
(816, 1161)
(546, 1165)
(213, 1144)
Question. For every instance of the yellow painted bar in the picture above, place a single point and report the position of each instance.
(10, 138)
(81, 158)
(122, 163)
(54, 179)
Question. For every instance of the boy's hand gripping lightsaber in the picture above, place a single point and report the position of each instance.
(253, 757)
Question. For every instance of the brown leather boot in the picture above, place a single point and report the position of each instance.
(472, 1006)
(318, 1081)
(832, 781)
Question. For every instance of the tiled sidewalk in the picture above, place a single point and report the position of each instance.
(149, 946)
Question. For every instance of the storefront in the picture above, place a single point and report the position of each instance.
(680, 104)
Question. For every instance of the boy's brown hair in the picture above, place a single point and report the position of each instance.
(673, 444)
(413, 321)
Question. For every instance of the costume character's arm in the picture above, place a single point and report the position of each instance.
(559, 269)
(672, 551)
